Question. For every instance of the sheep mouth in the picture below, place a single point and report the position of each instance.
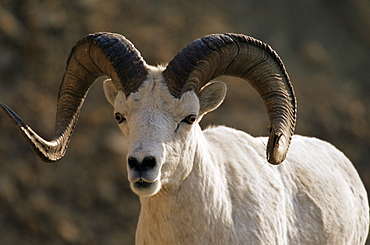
(140, 184)
(143, 187)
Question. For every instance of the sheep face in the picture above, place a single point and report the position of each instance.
(161, 131)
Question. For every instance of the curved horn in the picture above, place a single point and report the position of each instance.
(93, 56)
(247, 58)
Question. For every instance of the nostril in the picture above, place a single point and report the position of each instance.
(148, 163)
(133, 162)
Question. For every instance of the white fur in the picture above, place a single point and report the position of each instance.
(216, 187)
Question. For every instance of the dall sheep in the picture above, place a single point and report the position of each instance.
(212, 186)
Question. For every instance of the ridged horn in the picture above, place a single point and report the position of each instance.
(247, 58)
(93, 56)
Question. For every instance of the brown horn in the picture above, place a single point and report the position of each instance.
(93, 56)
(247, 58)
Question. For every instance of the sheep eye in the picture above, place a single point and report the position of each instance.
(190, 119)
(119, 117)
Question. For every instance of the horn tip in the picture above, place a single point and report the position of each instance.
(277, 148)
(31, 137)
(17, 120)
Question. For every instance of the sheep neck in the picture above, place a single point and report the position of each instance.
(200, 205)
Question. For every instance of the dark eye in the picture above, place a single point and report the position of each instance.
(190, 119)
(119, 117)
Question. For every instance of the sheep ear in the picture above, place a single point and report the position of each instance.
(110, 91)
(211, 96)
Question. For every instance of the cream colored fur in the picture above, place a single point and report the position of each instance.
(216, 187)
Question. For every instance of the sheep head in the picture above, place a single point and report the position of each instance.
(160, 129)
(159, 107)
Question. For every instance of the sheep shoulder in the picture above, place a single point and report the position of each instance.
(313, 196)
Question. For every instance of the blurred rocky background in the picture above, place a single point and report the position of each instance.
(85, 198)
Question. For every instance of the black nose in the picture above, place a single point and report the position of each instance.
(147, 163)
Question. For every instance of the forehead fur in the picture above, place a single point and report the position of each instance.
(154, 95)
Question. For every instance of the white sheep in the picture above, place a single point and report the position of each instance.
(212, 186)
